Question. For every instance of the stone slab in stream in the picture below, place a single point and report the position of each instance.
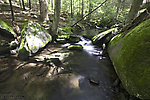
(33, 38)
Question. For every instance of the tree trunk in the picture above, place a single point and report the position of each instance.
(56, 16)
(52, 3)
(23, 5)
(71, 10)
(43, 10)
(20, 3)
(30, 4)
(12, 13)
(118, 8)
(82, 8)
(134, 10)
(90, 8)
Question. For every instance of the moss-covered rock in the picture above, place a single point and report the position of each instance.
(67, 38)
(131, 59)
(6, 31)
(33, 37)
(103, 37)
(75, 47)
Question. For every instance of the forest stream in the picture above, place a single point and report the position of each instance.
(90, 78)
(87, 76)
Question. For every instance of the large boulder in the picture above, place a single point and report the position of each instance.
(7, 37)
(103, 37)
(6, 31)
(130, 55)
(33, 37)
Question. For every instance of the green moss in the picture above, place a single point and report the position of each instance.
(96, 38)
(6, 26)
(65, 36)
(33, 37)
(132, 62)
(75, 47)
(115, 40)
(61, 41)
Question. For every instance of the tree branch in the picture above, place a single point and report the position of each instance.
(89, 13)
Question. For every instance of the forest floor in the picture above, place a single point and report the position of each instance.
(21, 16)
(9, 64)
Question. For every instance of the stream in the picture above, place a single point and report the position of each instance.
(88, 77)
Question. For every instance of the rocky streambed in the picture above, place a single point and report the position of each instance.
(71, 69)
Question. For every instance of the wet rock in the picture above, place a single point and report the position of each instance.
(103, 37)
(61, 41)
(75, 47)
(93, 82)
(131, 59)
(98, 53)
(13, 52)
(74, 39)
(67, 38)
(33, 38)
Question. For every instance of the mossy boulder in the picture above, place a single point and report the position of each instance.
(67, 38)
(130, 55)
(6, 31)
(33, 38)
(103, 37)
(7, 38)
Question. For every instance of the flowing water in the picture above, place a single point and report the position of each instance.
(88, 77)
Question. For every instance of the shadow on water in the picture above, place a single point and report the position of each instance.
(90, 78)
